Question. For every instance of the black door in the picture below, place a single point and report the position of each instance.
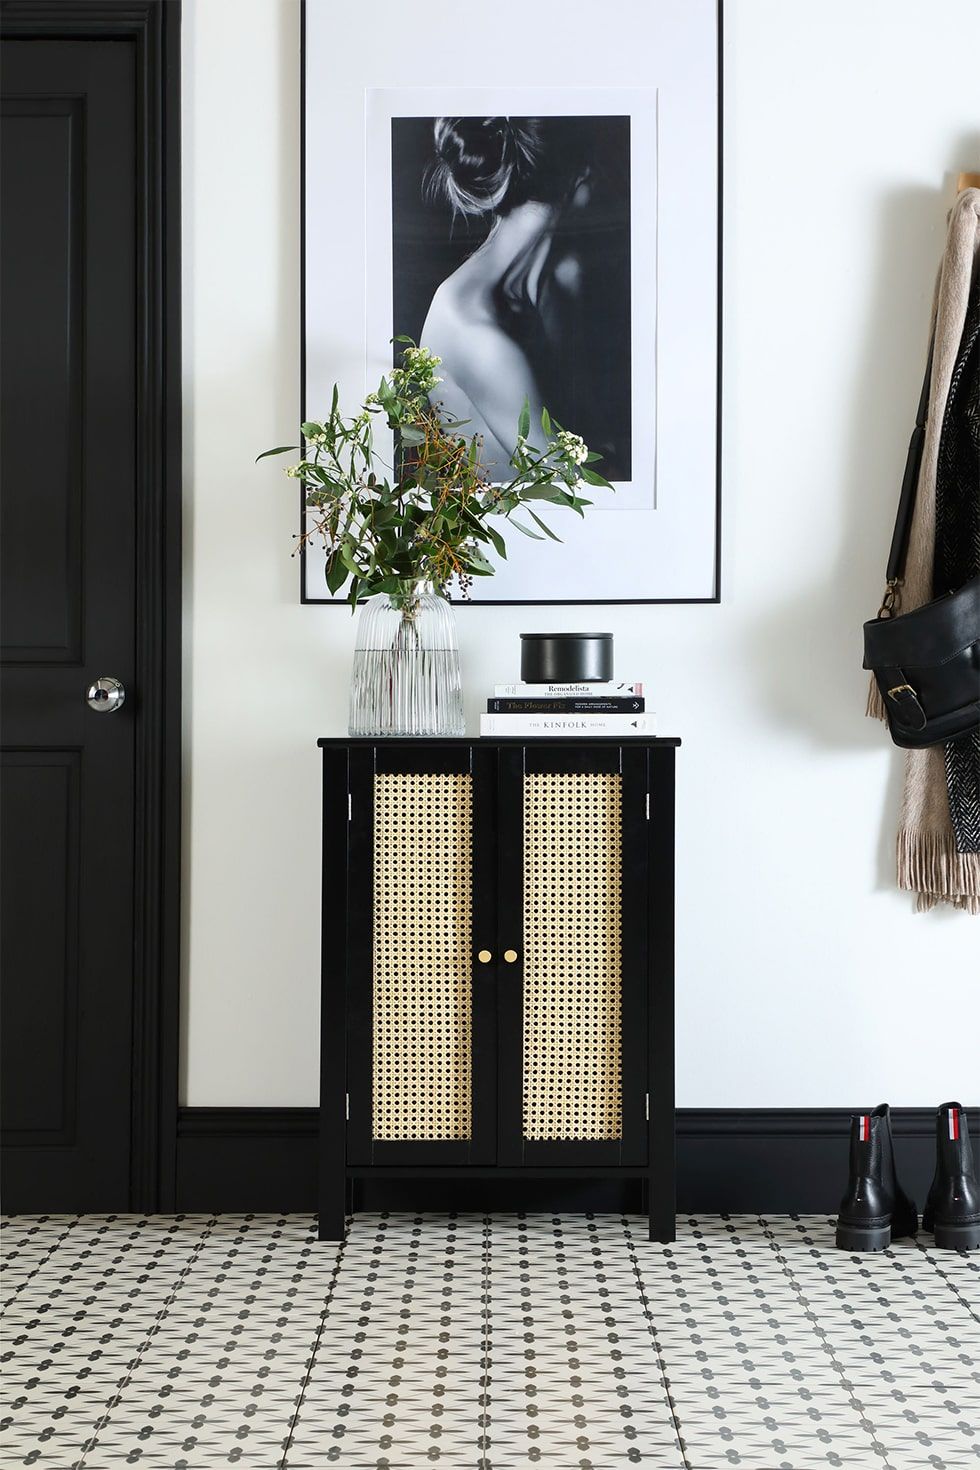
(77, 787)
(573, 939)
(421, 962)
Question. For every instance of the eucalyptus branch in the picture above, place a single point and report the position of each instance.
(432, 520)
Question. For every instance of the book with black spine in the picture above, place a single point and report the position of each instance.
(569, 704)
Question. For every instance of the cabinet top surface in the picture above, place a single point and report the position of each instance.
(332, 741)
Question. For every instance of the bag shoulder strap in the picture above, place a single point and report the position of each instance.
(910, 481)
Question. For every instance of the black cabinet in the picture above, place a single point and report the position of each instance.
(497, 963)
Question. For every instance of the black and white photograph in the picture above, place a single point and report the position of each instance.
(511, 262)
(520, 248)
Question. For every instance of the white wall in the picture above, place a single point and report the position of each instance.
(803, 978)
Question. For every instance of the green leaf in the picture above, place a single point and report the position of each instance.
(533, 534)
(499, 544)
(347, 558)
(334, 401)
(546, 422)
(408, 341)
(310, 428)
(316, 472)
(546, 529)
(591, 478)
(412, 436)
(541, 492)
(336, 573)
(524, 422)
(478, 565)
(573, 502)
(283, 449)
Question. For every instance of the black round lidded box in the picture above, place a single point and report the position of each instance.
(566, 658)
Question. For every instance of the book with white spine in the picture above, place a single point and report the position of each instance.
(618, 725)
(604, 689)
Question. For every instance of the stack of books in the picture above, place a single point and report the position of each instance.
(567, 709)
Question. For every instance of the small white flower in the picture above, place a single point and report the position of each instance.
(573, 446)
(421, 357)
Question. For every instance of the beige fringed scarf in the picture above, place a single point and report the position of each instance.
(928, 862)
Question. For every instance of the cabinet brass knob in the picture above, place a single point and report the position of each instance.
(510, 955)
(484, 957)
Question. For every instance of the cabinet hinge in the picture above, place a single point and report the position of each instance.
(648, 806)
(350, 805)
(648, 1107)
(347, 1106)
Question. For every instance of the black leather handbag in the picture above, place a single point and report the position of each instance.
(926, 663)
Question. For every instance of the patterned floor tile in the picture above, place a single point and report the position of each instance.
(907, 1349)
(573, 1343)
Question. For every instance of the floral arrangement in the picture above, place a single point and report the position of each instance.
(431, 516)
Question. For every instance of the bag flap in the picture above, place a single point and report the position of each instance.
(930, 635)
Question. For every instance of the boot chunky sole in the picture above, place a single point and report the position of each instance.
(953, 1236)
(863, 1237)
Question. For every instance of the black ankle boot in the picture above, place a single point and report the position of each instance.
(875, 1210)
(953, 1206)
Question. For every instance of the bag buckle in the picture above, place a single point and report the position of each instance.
(910, 712)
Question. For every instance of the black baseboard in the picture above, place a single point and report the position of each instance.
(729, 1161)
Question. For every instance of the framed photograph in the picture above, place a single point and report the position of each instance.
(543, 214)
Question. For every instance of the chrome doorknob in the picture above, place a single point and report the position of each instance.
(106, 695)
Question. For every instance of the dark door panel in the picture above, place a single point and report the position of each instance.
(69, 372)
(43, 314)
(39, 832)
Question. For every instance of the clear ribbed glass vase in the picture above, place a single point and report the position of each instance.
(406, 679)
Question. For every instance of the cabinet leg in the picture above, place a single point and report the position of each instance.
(332, 1213)
(662, 1210)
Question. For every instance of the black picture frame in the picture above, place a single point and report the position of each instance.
(716, 596)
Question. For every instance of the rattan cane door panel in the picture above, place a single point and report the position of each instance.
(422, 1002)
(572, 1013)
(422, 1029)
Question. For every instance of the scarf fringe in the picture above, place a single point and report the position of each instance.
(930, 867)
(875, 707)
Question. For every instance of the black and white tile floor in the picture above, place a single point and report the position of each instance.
(471, 1343)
